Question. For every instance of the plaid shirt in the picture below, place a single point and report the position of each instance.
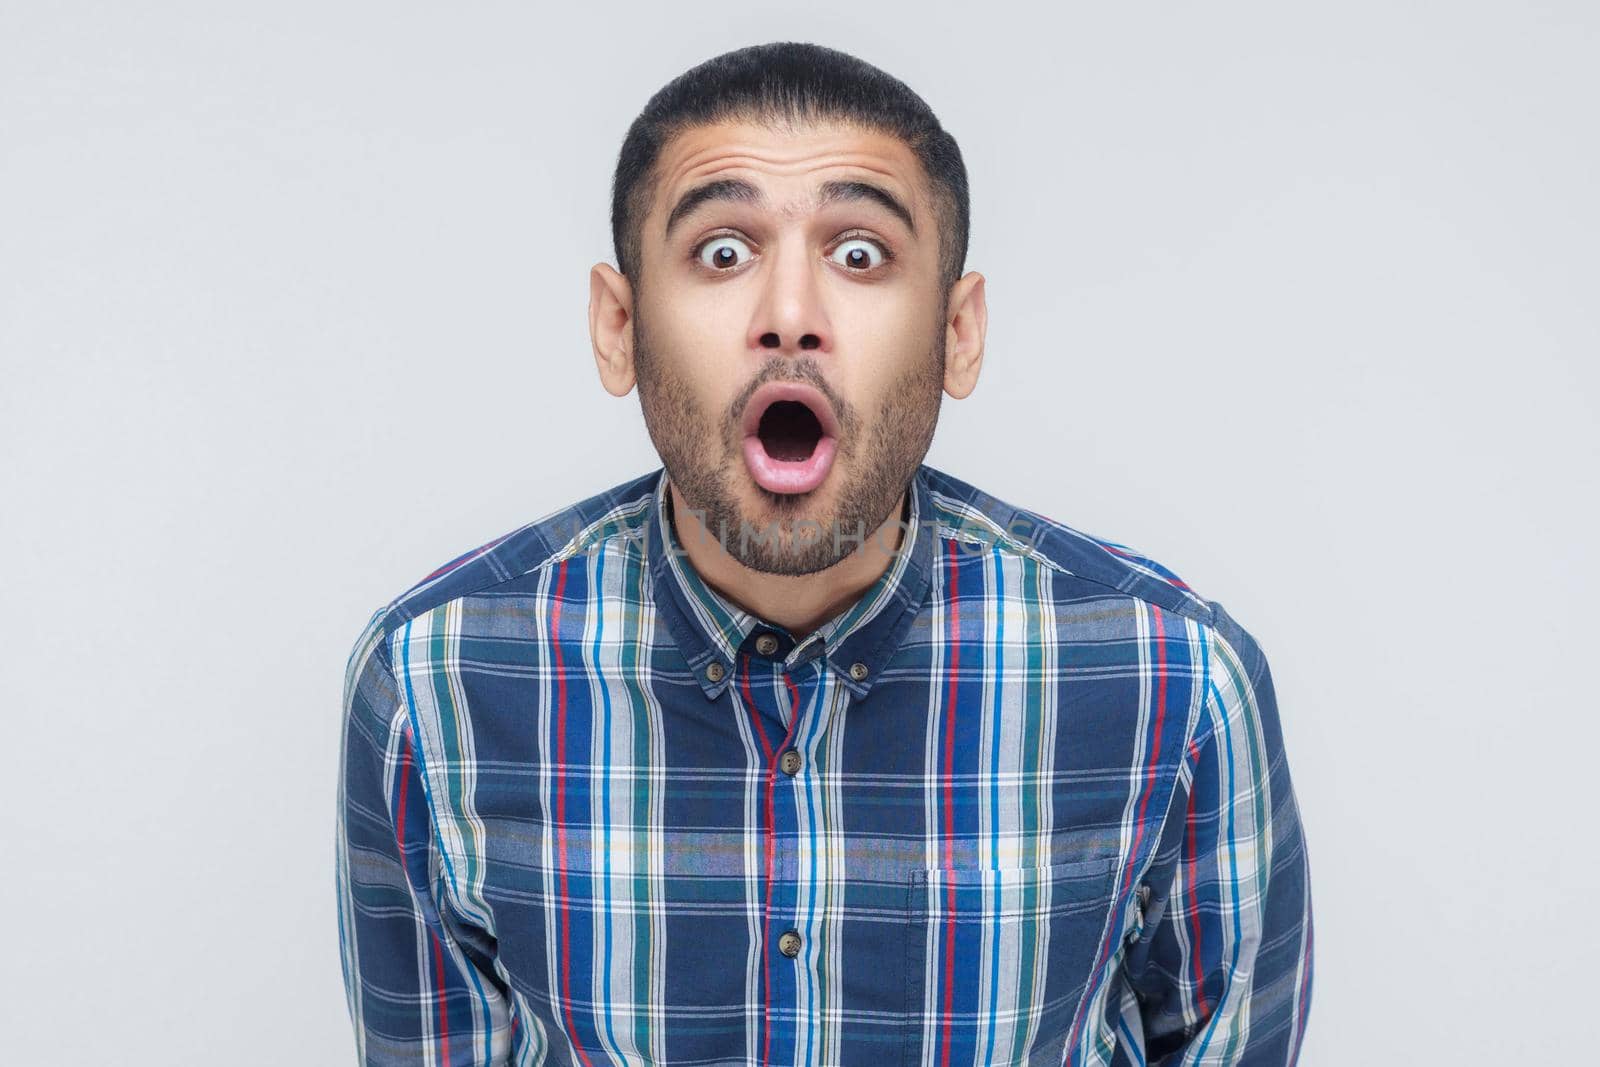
(1025, 801)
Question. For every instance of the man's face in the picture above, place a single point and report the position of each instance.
(774, 285)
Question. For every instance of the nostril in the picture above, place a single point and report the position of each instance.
(769, 340)
(810, 340)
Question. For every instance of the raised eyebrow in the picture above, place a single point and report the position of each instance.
(741, 191)
(735, 189)
(834, 191)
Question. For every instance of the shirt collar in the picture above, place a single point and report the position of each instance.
(856, 644)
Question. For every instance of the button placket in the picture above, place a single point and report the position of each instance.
(779, 821)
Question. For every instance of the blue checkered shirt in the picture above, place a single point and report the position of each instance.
(1024, 802)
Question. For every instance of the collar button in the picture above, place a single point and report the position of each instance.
(858, 671)
(714, 671)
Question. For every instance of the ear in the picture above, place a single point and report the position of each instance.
(966, 322)
(610, 327)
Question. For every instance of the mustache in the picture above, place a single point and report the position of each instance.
(791, 369)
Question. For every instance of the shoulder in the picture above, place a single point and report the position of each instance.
(559, 534)
(963, 511)
(1232, 664)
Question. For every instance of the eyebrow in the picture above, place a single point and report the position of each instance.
(738, 190)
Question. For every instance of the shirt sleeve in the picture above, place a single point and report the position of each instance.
(419, 980)
(1222, 974)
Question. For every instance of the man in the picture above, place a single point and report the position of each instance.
(797, 750)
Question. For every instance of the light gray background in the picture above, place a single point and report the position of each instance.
(292, 310)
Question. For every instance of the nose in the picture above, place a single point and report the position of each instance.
(790, 315)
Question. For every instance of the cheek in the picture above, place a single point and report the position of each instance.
(702, 323)
(892, 345)
(888, 323)
(698, 345)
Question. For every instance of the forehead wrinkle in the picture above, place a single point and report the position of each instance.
(714, 156)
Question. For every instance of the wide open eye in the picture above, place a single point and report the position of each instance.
(860, 254)
(723, 252)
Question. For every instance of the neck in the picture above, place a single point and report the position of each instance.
(798, 603)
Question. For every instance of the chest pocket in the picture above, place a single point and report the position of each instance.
(997, 960)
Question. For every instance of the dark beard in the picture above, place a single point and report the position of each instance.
(703, 459)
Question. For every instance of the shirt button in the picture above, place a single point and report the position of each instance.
(789, 944)
(766, 644)
(714, 671)
(858, 671)
(790, 762)
(1142, 901)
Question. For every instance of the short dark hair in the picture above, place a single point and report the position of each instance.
(788, 82)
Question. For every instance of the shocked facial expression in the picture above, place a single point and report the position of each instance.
(789, 334)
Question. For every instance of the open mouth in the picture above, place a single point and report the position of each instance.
(790, 434)
(789, 430)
